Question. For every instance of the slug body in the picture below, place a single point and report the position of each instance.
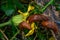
(37, 18)
(24, 24)
(50, 25)
(44, 20)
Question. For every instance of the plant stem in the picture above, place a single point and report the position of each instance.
(15, 35)
(51, 1)
(4, 24)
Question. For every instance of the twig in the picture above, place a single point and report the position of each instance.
(4, 34)
(35, 37)
(53, 34)
(22, 35)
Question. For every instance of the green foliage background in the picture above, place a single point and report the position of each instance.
(9, 8)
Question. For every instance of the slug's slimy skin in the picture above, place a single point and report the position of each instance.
(44, 20)
(50, 25)
(24, 24)
(37, 18)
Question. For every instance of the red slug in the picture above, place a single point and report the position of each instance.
(24, 24)
(37, 18)
(50, 25)
(45, 22)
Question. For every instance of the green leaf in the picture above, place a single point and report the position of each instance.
(8, 8)
(58, 7)
(21, 6)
